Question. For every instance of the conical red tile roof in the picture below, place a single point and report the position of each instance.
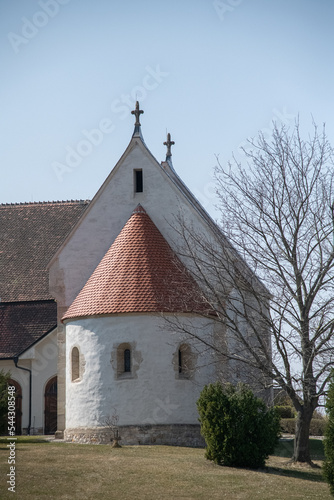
(139, 273)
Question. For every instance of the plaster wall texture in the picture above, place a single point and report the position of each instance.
(154, 395)
(61, 366)
(238, 371)
(22, 377)
(108, 213)
(42, 360)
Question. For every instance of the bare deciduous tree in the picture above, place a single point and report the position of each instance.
(277, 212)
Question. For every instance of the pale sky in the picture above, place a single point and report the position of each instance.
(212, 73)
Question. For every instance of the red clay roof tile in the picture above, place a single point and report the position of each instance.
(139, 273)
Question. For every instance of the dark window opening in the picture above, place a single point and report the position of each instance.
(138, 181)
(184, 362)
(180, 361)
(127, 360)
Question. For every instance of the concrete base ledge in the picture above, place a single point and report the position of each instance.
(172, 435)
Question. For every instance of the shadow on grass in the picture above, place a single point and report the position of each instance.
(285, 449)
(297, 471)
(308, 475)
(22, 440)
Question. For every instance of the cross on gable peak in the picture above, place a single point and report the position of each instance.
(137, 112)
(169, 143)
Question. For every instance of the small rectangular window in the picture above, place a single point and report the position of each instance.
(138, 181)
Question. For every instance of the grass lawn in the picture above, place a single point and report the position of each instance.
(55, 470)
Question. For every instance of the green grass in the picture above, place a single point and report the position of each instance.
(285, 449)
(50, 470)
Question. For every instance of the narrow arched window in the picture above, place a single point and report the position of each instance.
(75, 364)
(127, 360)
(185, 361)
(125, 367)
(180, 361)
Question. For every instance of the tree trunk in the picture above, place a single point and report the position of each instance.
(301, 451)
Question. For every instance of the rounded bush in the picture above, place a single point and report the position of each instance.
(285, 411)
(288, 425)
(238, 428)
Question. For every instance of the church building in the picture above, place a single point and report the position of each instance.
(87, 289)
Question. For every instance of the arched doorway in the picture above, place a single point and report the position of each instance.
(18, 406)
(50, 406)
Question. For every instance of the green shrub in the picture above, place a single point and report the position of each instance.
(317, 427)
(328, 466)
(288, 425)
(239, 430)
(285, 411)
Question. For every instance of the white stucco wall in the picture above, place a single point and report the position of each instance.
(154, 396)
(108, 213)
(22, 377)
(42, 360)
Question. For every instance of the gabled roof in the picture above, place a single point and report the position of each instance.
(22, 324)
(30, 233)
(139, 273)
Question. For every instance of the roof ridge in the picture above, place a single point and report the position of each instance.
(24, 302)
(139, 209)
(24, 203)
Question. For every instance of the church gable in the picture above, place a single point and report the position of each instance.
(137, 178)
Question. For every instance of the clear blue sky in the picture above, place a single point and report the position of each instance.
(210, 72)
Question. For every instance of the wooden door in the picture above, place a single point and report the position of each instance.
(50, 411)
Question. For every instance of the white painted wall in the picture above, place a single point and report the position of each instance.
(155, 396)
(42, 360)
(108, 213)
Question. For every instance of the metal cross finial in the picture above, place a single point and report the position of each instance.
(169, 144)
(137, 112)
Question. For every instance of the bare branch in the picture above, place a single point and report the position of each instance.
(278, 213)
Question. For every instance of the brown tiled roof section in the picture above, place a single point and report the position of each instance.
(30, 234)
(23, 323)
(139, 273)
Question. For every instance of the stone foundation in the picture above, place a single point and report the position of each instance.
(172, 435)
